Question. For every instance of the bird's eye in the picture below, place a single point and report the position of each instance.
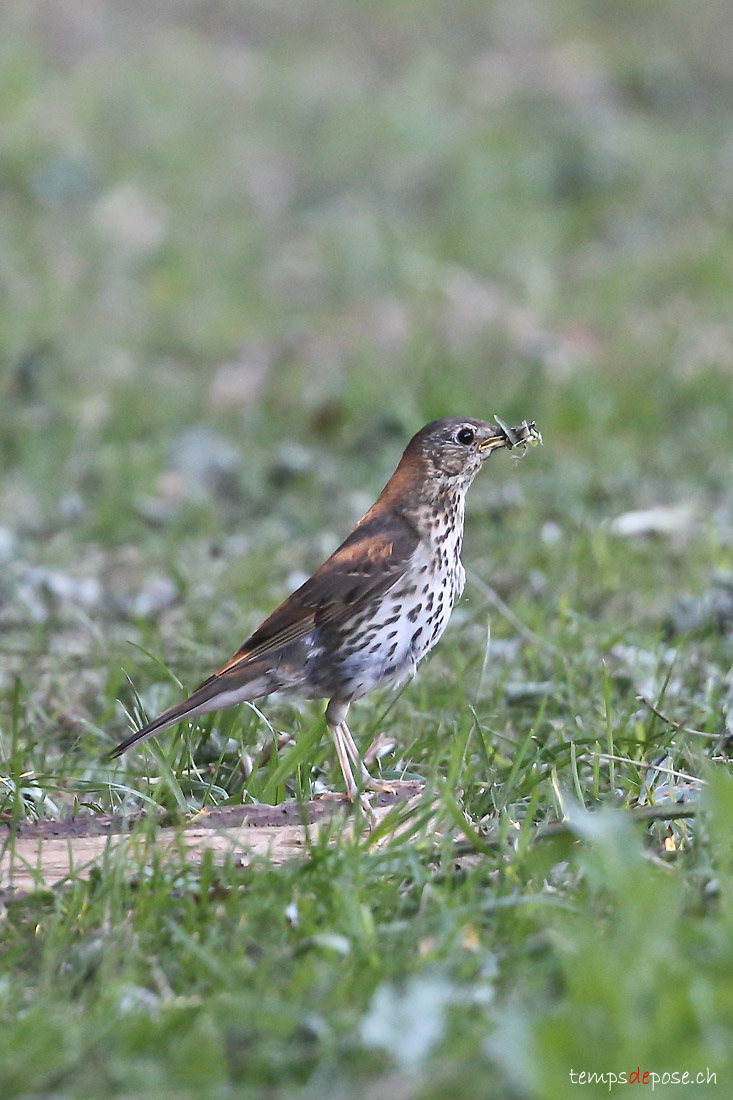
(466, 435)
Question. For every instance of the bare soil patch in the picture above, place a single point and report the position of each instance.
(43, 854)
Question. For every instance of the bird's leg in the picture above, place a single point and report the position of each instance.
(336, 712)
(352, 790)
(367, 779)
(353, 752)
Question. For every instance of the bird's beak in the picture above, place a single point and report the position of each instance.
(494, 442)
(526, 434)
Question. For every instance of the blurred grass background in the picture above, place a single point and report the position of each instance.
(246, 249)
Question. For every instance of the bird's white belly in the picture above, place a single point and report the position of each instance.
(411, 618)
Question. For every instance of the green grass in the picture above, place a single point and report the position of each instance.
(245, 251)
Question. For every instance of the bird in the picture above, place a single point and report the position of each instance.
(376, 607)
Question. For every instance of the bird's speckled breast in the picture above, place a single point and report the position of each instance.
(383, 644)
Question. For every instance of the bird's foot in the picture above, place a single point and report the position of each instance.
(380, 785)
(368, 810)
(361, 798)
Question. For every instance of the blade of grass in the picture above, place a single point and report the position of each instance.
(286, 767)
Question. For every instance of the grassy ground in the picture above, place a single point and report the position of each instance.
(245, 251)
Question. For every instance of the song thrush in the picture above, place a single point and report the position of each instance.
(380, 602)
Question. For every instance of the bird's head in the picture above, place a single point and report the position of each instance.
(450, 452)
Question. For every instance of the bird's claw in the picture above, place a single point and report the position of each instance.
(379, 785)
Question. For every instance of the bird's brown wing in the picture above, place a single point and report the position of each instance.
(373, 558)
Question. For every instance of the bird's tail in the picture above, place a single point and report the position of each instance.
(214, 694)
